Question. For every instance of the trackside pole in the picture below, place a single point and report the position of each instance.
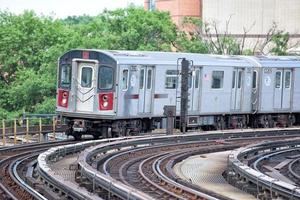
(27, 130)
(3, 133)
(54, 127)
(15, 131)
(184, 93)
(40, 129)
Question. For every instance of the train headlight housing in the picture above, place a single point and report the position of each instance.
(63, 98)
(106, 101)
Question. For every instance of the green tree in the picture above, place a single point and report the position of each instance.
(280, 41)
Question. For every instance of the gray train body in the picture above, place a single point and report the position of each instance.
(126, 91)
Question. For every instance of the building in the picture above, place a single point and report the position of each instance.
(177, 8)
(235, 17)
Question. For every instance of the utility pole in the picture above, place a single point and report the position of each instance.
(184, 94)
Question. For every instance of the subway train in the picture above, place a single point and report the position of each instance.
(110, 93)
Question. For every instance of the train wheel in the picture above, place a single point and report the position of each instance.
(104, 132)
(115, 134)
(95, 136)
(77, 136)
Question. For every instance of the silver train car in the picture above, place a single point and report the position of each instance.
(126, 91)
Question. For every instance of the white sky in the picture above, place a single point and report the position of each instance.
(64, 8)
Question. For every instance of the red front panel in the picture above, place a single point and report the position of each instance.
(106, 101)
(63, 98)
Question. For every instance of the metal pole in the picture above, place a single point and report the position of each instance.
(27, 130)
(184, 93)
(54, 126)
(40, 131)
(15, 131)
(3, 132)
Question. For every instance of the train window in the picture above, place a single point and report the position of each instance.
(233, 79)
(278, 80)
(287, 83)
(125, 79)
(86, 77)
(142, 74)
(171, 79)
(65, 76)
(149, 79)
(254, 80)
(197, 78)
(217, 79)
(105, 78)
(240, 79)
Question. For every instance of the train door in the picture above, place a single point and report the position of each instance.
(145, 89)
(237, 89)
(194, 90)
(85, 87)
(282, 89)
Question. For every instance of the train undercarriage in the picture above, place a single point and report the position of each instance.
(126, 127)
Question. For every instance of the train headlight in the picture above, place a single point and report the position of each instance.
(105, 104)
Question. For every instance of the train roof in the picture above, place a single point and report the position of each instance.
(171, 58)
(279, 61)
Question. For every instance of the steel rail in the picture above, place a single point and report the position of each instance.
(29, 149)
(14, 173)
(256, 163)
(284, 189)
(291, 168)
(156, 168)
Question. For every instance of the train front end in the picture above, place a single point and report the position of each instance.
(86, 91)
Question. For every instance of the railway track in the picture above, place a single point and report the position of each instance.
(294, 170)
(12, 184)
(130, 169)
(255, 163)
(140, 169)
(120, 168)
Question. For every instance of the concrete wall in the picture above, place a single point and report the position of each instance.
(258, 14)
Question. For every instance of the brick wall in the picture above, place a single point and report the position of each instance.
(178, 8)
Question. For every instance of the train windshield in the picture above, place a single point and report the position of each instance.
(65, 76)
(105, 78)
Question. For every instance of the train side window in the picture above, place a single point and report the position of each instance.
(197, 78)
(65, 76)
(287, 83)
(86, 77)
(240, 79)
(142, 74)
(105, 78)
(125, 79)
(278, 80)
(254, 80)
(171, 79)
(217, 79)
(233, 79)
(149, 79)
